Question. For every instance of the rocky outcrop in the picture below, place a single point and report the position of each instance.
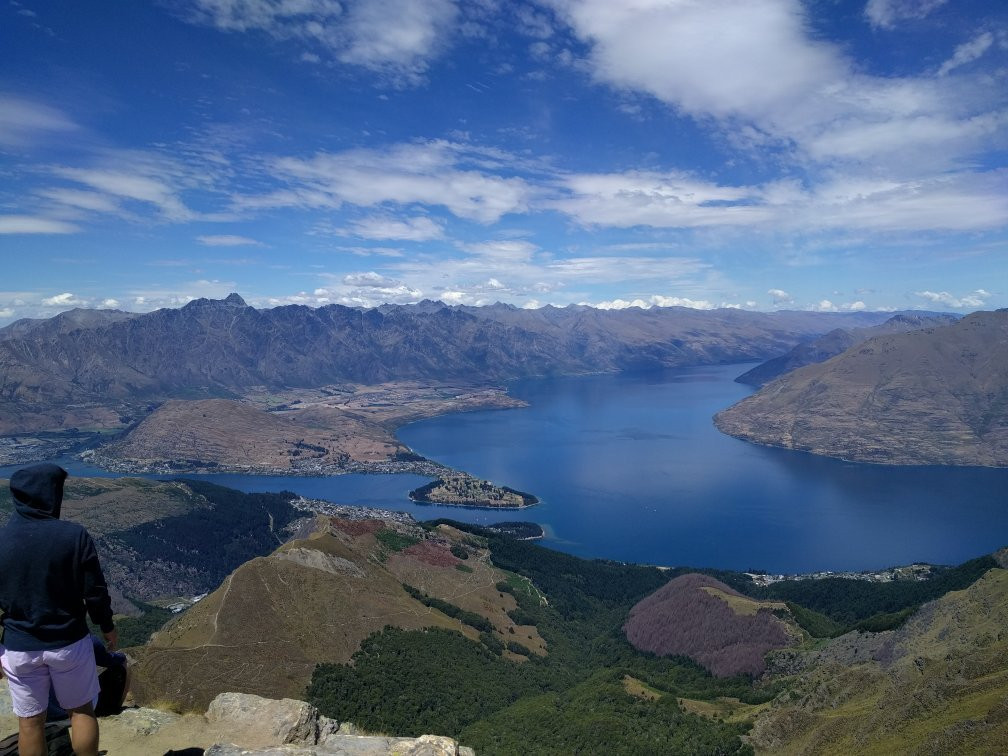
(270, 720)
(361, 745)
(295, 728)
(235, 724)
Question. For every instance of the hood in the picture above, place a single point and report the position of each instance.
(38, 491)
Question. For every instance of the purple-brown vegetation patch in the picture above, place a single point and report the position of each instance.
(432, 553)
(681, 618)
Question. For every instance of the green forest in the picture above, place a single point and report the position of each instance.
(574, 700)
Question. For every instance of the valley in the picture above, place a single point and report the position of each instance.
(515, 648)
(471, 630)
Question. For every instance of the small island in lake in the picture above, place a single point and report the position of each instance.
(464, 490)
(522, 531)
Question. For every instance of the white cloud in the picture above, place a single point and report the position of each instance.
(457, 298)
(780, 296)
(366, 289)
(27, 224)
(967, 53)
(952, 202)
(23, 121)
(972, 300)
(668, 200)
(66, 299)
(145, 300)
(401, 34)
(372, 251)
(131, 185)
(227, 240)
(80, 199)
(420, 228)
(110, 304)
(757, 69)
(435, 173)
(655, 300)
(857, 306)
(885, 14)
(395, 36)
(369, 279)
(825, 306)
(6, 312)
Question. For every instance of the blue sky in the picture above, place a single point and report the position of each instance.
(753, 153)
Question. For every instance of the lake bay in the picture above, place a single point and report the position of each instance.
(630, 467)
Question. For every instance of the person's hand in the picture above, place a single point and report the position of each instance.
(111, 639)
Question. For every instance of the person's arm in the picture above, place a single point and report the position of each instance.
(96, 595)
(107, 657)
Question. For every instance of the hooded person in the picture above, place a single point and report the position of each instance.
(50, 580)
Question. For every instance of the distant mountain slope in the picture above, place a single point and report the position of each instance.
(212, 348)
(697, 616)
(315, 600)
(939, 684)
(837, 341)
(936, 396)
(63, 323)
(170, 538)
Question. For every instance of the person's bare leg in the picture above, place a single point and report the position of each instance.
(84, 730)
(126, 686)
(31, 735)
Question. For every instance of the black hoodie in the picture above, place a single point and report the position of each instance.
(49, 571)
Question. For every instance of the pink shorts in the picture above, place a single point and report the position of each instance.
(70, 670)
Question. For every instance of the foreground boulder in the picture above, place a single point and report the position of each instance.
(297, 729)
(235, 723)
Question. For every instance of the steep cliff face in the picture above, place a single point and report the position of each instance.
(935, 396)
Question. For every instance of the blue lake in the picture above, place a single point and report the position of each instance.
(630, 467)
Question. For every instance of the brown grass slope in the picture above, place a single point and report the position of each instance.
(238, 436)
(314, 600)
(937, 685)
(935, 396)
(697, 616)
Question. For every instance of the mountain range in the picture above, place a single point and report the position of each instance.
(932, 396)
(103, 368)
(837, 341)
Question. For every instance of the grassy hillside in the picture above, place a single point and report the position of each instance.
(549, 703)
(937, 685)
(316, 600)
